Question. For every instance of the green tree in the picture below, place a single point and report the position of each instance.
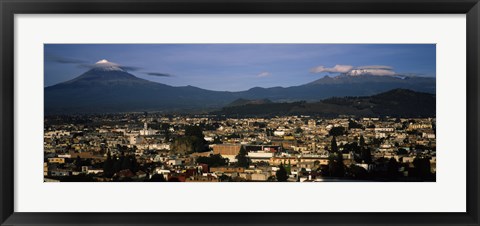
(336, 166)
(422, 168)
(298, 130)
(217, 140)
(108, 166)
(271, 179)
(165, 127)
(194, 131)
(213, 160)
(117, 164)
(366, 155)
(193, 141)
(126, 163)
(354, 125)
(242, 159)
(358, 172)
(392, 168)
(362, 141)
(333, 145)
(78, 163)
(337, 131)
(157, 178)
(281, 174)
(224, 178)
(402, 151)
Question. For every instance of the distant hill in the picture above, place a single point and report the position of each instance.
(395, 103)
(340, 86)
(109, 89)
(241, 102)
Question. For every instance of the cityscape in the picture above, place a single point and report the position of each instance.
(350, 123)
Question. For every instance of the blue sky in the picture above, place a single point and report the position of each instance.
(235, 67)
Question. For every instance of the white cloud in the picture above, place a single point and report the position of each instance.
(378, 70)
(339, 68)
(375, 67)
(264, 74)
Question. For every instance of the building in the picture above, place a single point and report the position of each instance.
(56, 160)
(146, 131)
(260, 156)
(229, 151)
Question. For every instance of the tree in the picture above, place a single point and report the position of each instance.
(133, 164)
(271, 179)
(108, 166)
(362, 141)
(194, 131)
(217, 140)
(354, 125)
(351, 147)
(189, 144)
(193, 141)
(117, 163)
(157, 178)
(281, 174)
(213, 160)
(336, 166)
(333, 145)
(366, 155)
(392, 168)
(358, 172)
(337, 131)
(402, 151)
(173, 179)
(126, 162)
(224, 178)
(165, 127)
(242, 159)
(298, 130)
(78, 163)
(422, 168)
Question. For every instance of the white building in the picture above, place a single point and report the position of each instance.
(260, 156)
(146, 131)
(279, 133)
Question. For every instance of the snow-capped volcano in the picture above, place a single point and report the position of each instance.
(106, 72)
(109, 87)
(105, 65)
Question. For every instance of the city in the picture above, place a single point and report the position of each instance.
(149, 147)
(239, 113)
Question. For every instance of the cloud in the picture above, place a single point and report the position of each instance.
(84, 63)
(375, 67)
(378, 70)
(123, 67)
(339, 68)
(264, 74)
(158, 74)
(130, 68)
(64, 60)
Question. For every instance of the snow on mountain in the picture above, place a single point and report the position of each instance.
(105, 65)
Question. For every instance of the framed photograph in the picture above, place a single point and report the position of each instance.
(263, 112)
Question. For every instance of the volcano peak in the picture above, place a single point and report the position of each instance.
(105, 65)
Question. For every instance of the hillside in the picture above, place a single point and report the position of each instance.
(395, 103)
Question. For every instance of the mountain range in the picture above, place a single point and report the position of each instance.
(395, 103)
(106, 88)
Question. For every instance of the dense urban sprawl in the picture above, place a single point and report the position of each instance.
(201, 148)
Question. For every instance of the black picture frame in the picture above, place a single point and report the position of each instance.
(11, 7)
